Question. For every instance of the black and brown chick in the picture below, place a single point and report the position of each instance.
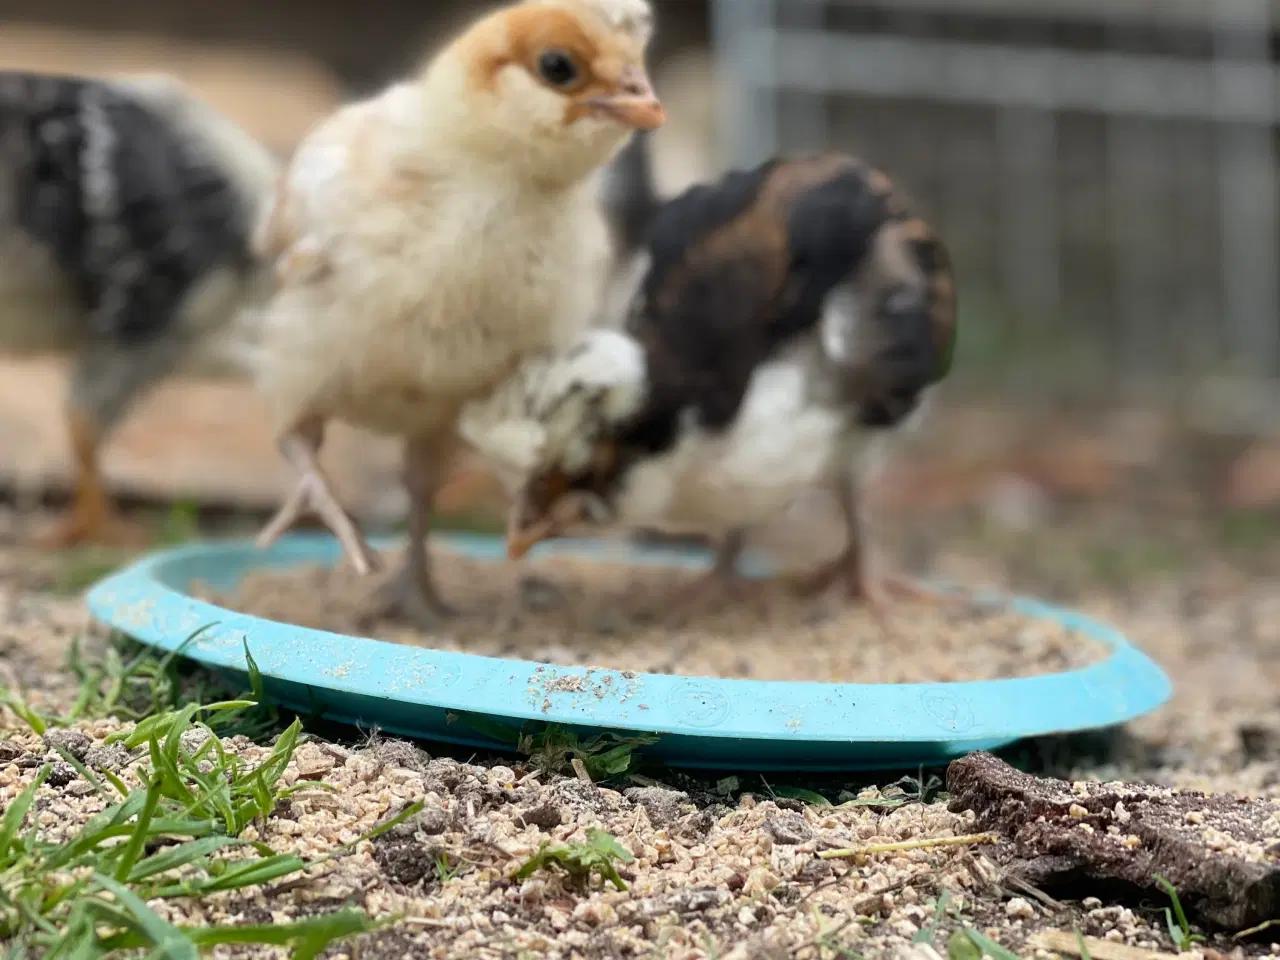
(787, 321)
(127, 208)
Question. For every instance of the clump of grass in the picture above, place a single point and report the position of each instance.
(176, 834)
(132, 682)
(581, 861)
(1176, 919)
(554, 748)
(446, 868)
(941, 908)
(902, 792)
(604, 757)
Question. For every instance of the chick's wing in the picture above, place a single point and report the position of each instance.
(340, 178)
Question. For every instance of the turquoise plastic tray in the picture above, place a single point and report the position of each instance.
(700, 722)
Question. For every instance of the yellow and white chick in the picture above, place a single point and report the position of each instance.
(790, 318)
(427, 239)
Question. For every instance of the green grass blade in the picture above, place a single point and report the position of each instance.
(170, 942)
(412, 810)
(80, 768)
(25, 713)
(989, 946)
(133, 847)
(183, 855)
(17, 812)
(806, 796)
(310, 936)
(254, 873)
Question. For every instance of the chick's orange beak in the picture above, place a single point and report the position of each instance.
(635, 103)
(523, 537)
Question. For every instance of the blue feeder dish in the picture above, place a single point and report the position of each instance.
(700, 722)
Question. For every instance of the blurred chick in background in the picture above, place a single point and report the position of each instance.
(427, 239)
(127, 209)
(789, 319)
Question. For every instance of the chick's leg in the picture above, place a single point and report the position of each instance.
(851, 570)
(301, 447)
(412, 595)
(108, 376)
(721, 582)
(93, 517)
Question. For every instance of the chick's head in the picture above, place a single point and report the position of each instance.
(579, 409)
(552, 87)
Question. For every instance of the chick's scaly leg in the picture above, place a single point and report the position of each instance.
(93, 518)
(106, 379)
(722, 581)
(851, 569)
(412, 595)
(313, 492)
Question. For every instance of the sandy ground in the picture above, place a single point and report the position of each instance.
(724, 870)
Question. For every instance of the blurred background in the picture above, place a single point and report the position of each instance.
(1104, 172)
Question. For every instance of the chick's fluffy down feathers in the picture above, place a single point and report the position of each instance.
(126, 208)
(406, 286)
(427, 239)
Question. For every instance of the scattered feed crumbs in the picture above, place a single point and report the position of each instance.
(705, 880)
(605, 614)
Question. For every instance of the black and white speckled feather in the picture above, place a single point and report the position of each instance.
(127, 195)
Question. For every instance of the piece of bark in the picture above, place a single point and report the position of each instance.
(1220, 852)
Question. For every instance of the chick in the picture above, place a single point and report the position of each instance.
(426, 239)
(790, 319)
(127, 209)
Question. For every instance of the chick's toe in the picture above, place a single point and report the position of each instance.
(412, 599)
(313, 493)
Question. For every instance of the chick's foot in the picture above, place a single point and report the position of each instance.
(848, 575)
(92, 522)
(410, 599)
(313, 494)
(93, 518)
(711, 593)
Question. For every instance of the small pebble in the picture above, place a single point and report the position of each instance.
(1019, 909)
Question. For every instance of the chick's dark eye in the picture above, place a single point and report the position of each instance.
(557, 68)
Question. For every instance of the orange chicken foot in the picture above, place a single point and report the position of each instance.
(93, 518)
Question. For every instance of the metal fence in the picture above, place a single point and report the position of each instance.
(1103, 170)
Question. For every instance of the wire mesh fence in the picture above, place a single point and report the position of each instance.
(1103, 170)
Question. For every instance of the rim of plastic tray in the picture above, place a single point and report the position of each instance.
(147, 601)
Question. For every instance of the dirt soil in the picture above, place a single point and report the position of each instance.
(722, 868)
(567, 611)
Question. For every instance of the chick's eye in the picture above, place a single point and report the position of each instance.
(557, 68)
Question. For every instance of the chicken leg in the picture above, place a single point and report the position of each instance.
(720, 582)
(412, 595)
(93, 518)
(301, 447)
(851, 570)
(108, 376)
